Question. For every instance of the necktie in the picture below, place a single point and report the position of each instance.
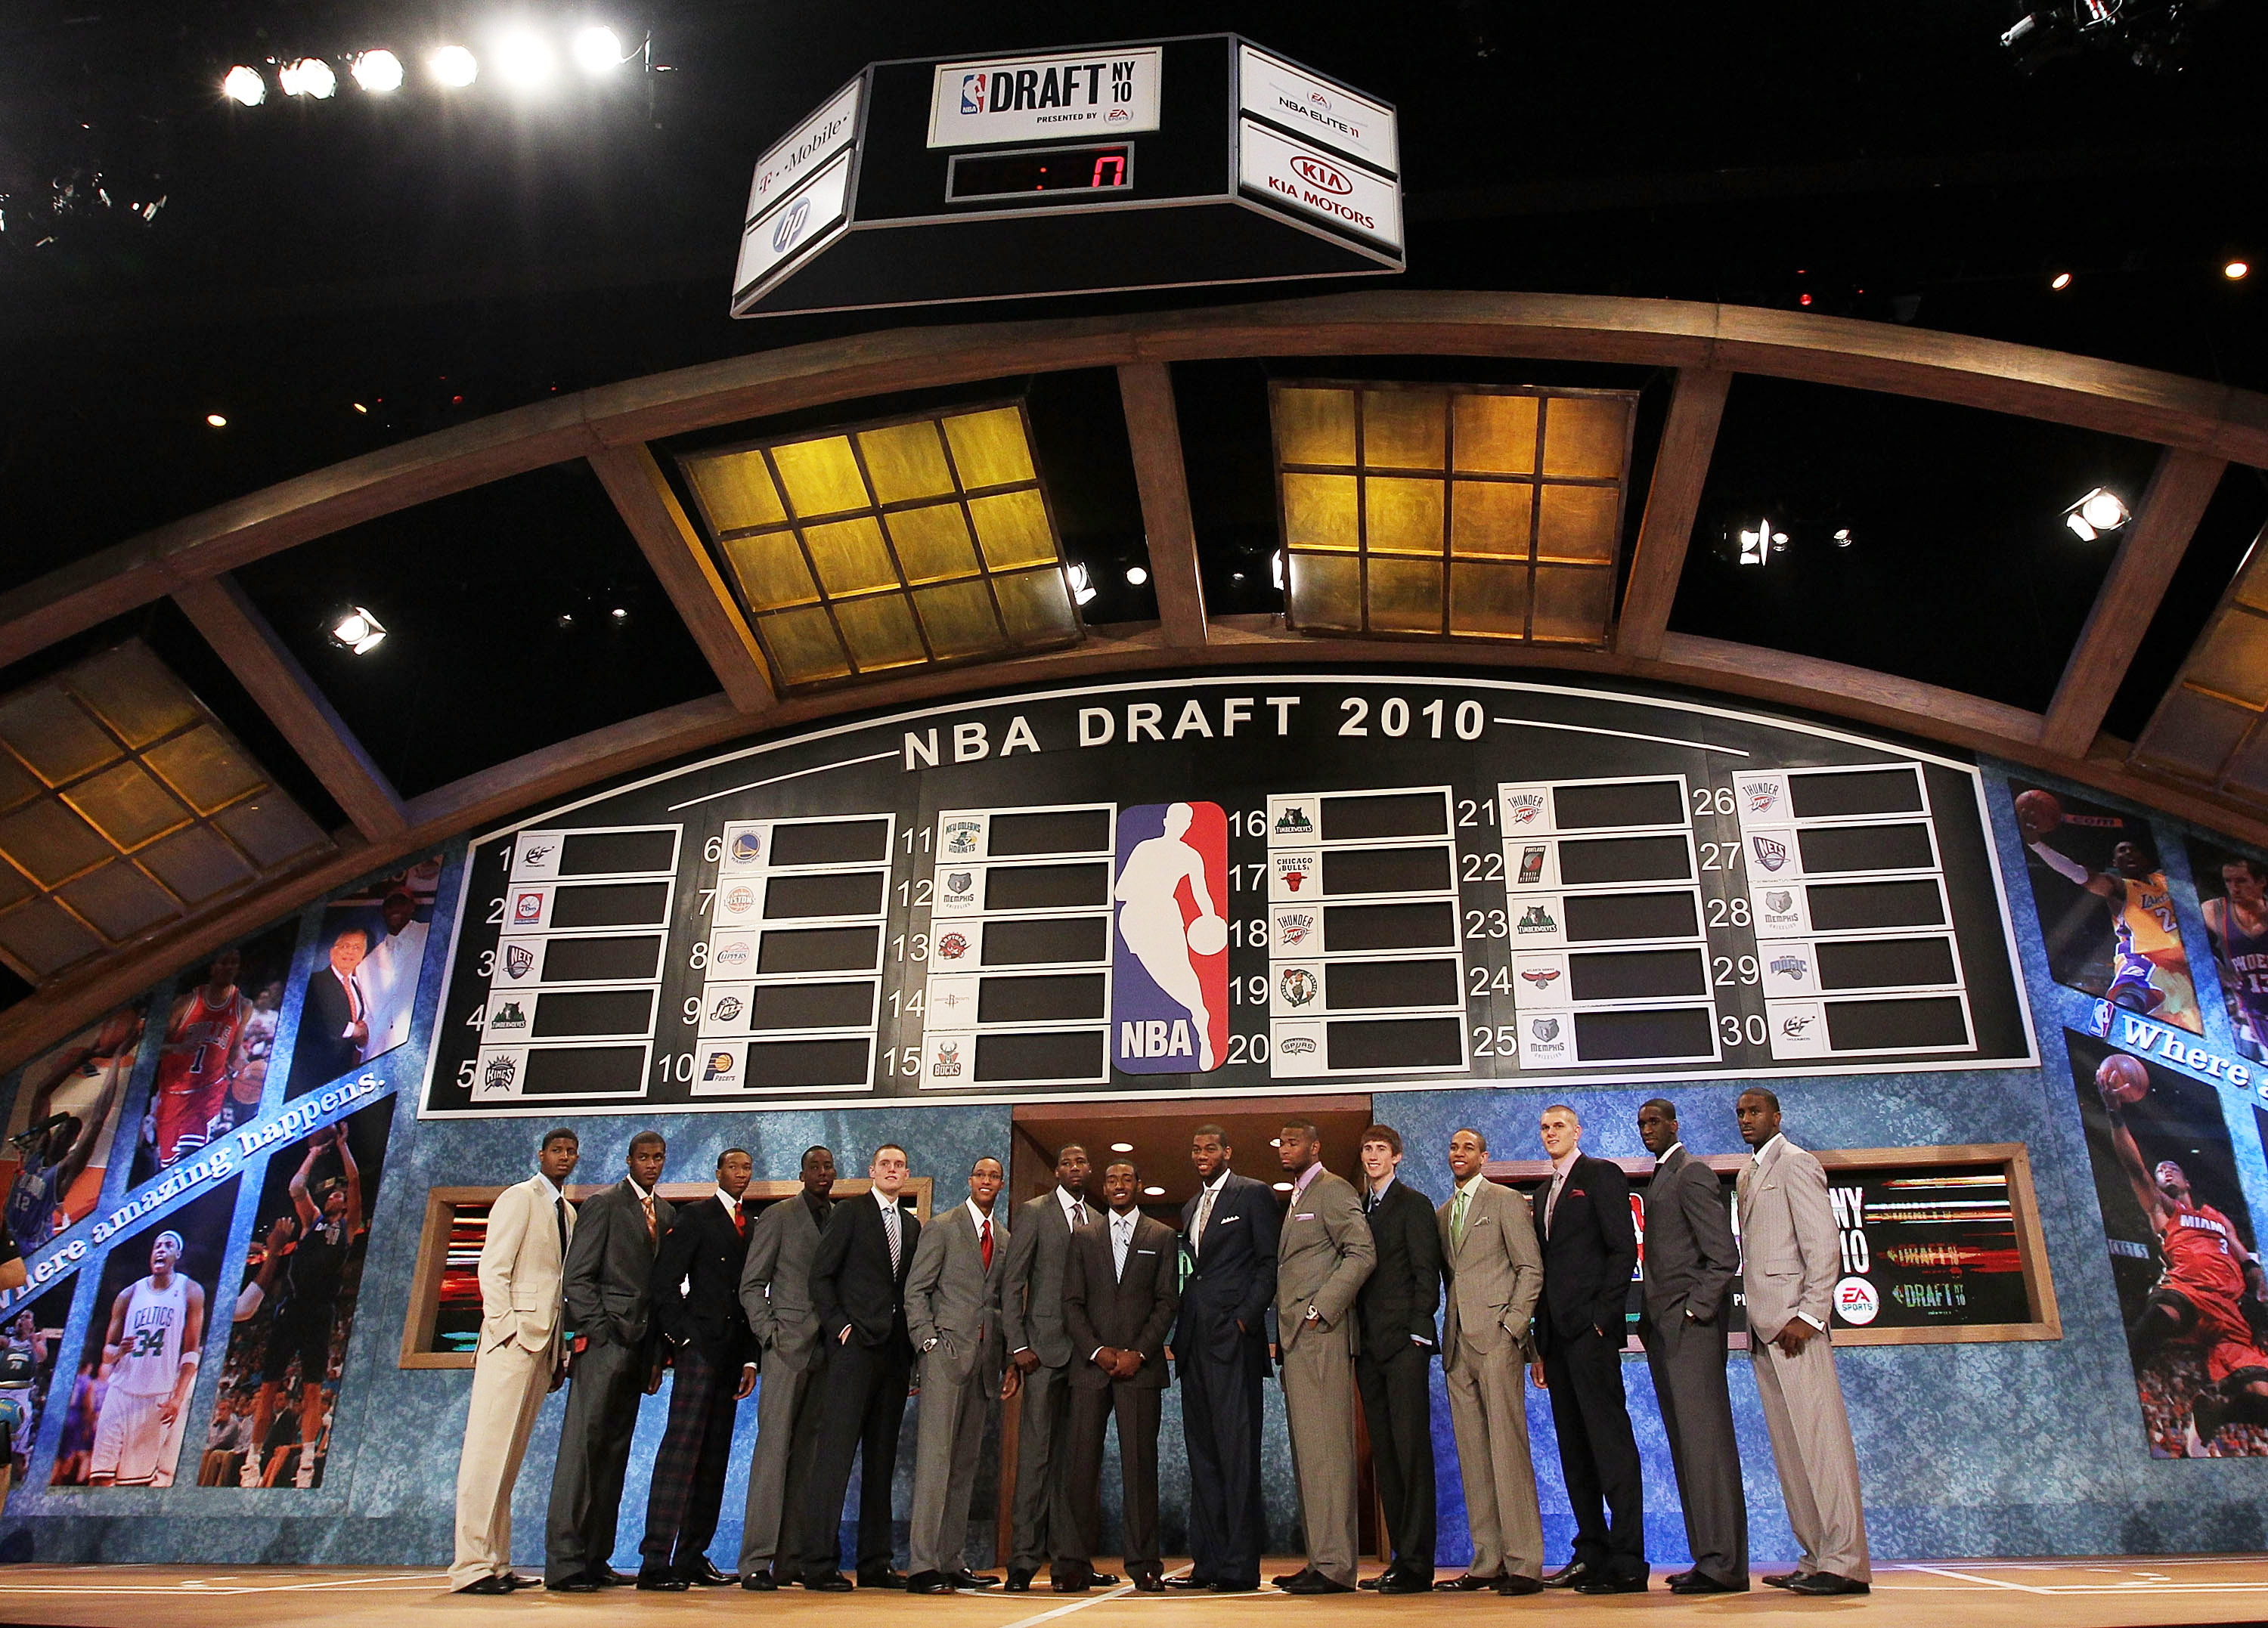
(560, 1215)
(739, 1220)
(653, 1233)
(1205, 1214)
(1121, 1239)
(890, 1226)
(1457, 1215)
(1369, 1202)
(1078, 1214)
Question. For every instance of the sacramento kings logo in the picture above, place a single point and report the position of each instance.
(1299, 986)
(1770, 853)
(518, 958)
(748, 848)
(499, 1074)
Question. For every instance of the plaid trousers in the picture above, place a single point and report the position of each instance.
(688, 1471)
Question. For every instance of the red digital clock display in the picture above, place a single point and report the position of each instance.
(1106, 168)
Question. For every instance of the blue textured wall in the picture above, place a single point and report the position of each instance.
(1982, 1449)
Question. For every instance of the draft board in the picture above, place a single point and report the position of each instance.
(1212, 886)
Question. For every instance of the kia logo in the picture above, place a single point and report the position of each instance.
(1320, 175)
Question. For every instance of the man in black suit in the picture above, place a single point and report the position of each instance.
(1120, 1299)
(1393, 1368)
(858, 1296)
(335, 1017)
(616, 1359)
(696, 1300)
(1220, 1341)
(1590, 1250)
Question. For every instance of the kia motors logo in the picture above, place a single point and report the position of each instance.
(790, 226)
(1320, 175)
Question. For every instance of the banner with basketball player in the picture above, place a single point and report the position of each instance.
(62, 1123)
(2104, 906)
(143, 1344)
(2232, 896)
(362, 989)
(213, 1050)
(294, 1306)
(2191, 1291)
(31, 1341)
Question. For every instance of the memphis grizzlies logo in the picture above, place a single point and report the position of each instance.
(1545, 1029)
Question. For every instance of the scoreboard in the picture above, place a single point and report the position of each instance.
(1221, 884)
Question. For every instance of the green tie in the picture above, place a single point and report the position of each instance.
(1457, 1217)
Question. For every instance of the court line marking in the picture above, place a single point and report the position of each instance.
(1969, 1577)
(732, 791)
(1584, 729)
(1120, 1592)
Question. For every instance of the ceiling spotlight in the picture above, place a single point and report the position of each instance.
(1137, 576)
(2237, 270)
(1082, 588)
(218, 420)
(360, 407)
(596, 50)
(1122, 1147)
(1275, 567)
(2099, 511)
(1153, 1193)
(1759, 544)
(310, 75)
(1843, 537)
(455, 66)
(523, 58)
(619, 614)
(2060, 280)
(244, 86)
(377, 71)
(358, 631)
(566, 619)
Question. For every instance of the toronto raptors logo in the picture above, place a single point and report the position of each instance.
(952, 946)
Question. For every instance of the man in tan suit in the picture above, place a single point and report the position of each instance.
(520, 1358)
(1496, 1272)
(1322, 1255)
(1792, 1257)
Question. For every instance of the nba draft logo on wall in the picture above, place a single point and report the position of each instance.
(1169, 948)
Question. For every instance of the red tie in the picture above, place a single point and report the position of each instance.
(739, 1222)
(988, 1246)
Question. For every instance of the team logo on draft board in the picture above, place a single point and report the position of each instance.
(527, 908)
(1294, 927)
(1795, 1028)
(726, 1009)
(952, 946)
(536, 852)
(1169, 940)
(1535, 920)
(1297, 1045)
(498, 1076)
(1772, 853)
(734, 954)
(1299, 986)
(1524, 808)
(509, 1016)
(1780, 901)
(1293, 822)
(1541, 977)
(748, 848)
(1531, 865)
(1761, 794)
(962, 835)
(1856, 1301)
(947, 1063)
(721, 1064)
(740, 899)
(518, 958)
(1294, 869)
(950, 1003)
(960, 886)
(1545, 1029)
(1789, 966)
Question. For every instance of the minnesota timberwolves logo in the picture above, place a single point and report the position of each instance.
(509, 1016)
(498, 1076)
(1293, 822)
(790, 225)
(1535, 920)
(1771, 853)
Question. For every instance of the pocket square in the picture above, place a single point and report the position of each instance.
(1146, 1251)
(1304, 1215)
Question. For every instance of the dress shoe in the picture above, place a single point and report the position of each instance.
(1020, 1580)
(757, 1582)
(490, 1584)
(655, 1579)
(1465, 1584)
(928, 1582)
(1698, 1582)
(1605, 1583)
(1371, 1583)
(702, 1574)
(1289, 1578)
(1225, 1587)
(1513, 1583)
(582, 1582)
(1316, 1582)
(1827, 1582)
(1404, 1582)
(1567, 1576)
(1102, 1580)
(1149, 1582)
(1676, 1578)
(887, 1579)
(1070, 1581)
(828, 1582)
(521, 1580)
(1189, 1582)
(1782, 1580)
(606, 1577)
(966, 1578)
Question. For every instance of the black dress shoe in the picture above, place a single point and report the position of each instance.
(1827, 1582)
(1513, 1583)
(1102, 1580)
(1567, 1576)
(702, 1574)
(1782, 1580)
(1149, 1582)
(582, 1582)
(1371, 1583)
(606, 1577)
(1465, 1584)
(654, 1579)
(1189, 1582)
(1404, 1582)
(1020, 1580)
(828, 1582)
(1606, 1584)
(759, 1582)
(1698, 1582)
(521, 1580)
(892, 1578)
(1289, 1578)
(928, 1582)
(490, 1584)
(1070, 1581)
(1676, 1578)
(966, 1578)
(1316, 1582)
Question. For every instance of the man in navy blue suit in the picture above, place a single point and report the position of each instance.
(1228, 1231)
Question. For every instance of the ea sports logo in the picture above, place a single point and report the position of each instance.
(1856, 1301)
(1320, 175)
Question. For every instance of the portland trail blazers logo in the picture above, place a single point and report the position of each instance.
(518, 958)
(1771, 853)
(947, 1063)
(498, 1076)
(952, 946)
(1299, 986)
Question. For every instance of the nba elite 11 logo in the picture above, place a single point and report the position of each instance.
(1169, 946)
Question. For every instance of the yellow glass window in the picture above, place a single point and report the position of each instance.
(1319, 511)
(1491, 517)
(803, 646)
(736, 490)
(1578, 523)
(1402, 517)
(1585, 436)
(881, 632)
(820, 476)
(1325, 591)
(1572, 604)
(1403, 428)
(958, 619)
(932, 542)
(1314, 426)
(851, 556)
(1405, 596)
(1495, 434)
(990, 449)
(771, 571)
(1034, 604)
(1013, 529)
(905, 462)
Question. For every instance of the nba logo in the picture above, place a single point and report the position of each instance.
(972, 93)
(1169, 948)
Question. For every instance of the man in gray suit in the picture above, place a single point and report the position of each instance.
(1689, 1260)
(953, 1314)
(1793, 1258)
(1495, 1270)
(1322, 1257)
(616, 1358)
(775, 1293)
(1032, 1321)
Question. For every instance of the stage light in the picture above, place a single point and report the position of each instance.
(1122, 1147)
(216, 420)
(358, 631)
(1757, 546)
(2097, 512)
(1137, 576)
(1276, 568)
(455, 66)
(1843, 539)
(245, 86)
(2060, 280)
(566, 619)
(524, 59)
(2237, 270)
(620, 614)
(1082, 588)
(596, 50)
(1153, 1193)
(310, 75)
(378, 72)
(360, 407)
